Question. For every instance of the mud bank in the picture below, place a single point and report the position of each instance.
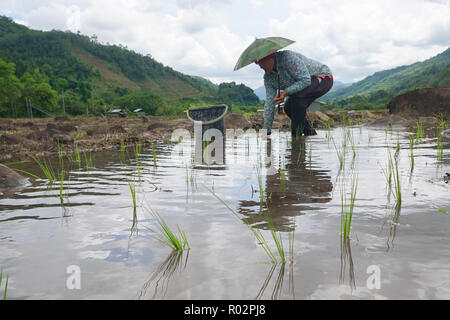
(20, 138)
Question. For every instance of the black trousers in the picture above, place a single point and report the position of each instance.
(296, 105)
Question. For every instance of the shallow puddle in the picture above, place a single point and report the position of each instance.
(393, 251)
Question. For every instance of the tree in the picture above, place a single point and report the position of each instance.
(85, 90)
(10, 88)
(240, 95)
(62, 84)
(39, 91)
(148, 101)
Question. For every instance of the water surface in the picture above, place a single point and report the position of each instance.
(120, 256)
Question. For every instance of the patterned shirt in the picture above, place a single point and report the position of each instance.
(295, 74)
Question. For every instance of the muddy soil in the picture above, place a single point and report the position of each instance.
(20, 138)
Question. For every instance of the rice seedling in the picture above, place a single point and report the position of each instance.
(46, 168)
(137, 153)
(328, 134)
(441, 122)
(77, 155)
(61, 187)
(137, 149)
(340, 154)
(277, 239)
(132, 186)
(388, 171)
(420, 133)
(279, 244)
(28, 173)
(88, 164)
(122, 145)
(60, 151)
(397, 184)
(441, 210)
(6, 284)
(411, 151)
(175, 242)
(347, 207)
(351, 139)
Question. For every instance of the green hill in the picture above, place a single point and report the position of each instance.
(62, 70)
(376, 90)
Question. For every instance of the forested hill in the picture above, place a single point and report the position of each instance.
(376, 90)
(59, 69)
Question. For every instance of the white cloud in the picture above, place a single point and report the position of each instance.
(357, 37)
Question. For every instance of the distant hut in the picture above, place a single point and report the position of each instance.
(116, 113)
(140, 112)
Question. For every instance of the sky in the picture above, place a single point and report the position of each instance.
(355, 38)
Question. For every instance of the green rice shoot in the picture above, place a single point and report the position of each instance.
(132, 186)
(46, 168)
(5, 290)
(411, 150)
(177, 242)
(347, 207)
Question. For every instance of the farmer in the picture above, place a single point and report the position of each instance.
(301, 80)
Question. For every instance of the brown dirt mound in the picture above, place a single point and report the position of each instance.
(117, 129)
(12, 139)
(422, 102)
(9, 178)
(39, 135)
(235, 120)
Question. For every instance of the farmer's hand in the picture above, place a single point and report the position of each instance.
(280, 98)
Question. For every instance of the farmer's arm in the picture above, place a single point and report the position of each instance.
(297, 69)
(269, 106)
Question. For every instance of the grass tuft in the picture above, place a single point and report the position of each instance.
(46, 168)
(167, 236)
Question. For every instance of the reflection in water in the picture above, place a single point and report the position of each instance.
(27, 217)
(347, 260)
(394, 223)
(289, 190)
(162, 276)
(134, 229)
(277, 289)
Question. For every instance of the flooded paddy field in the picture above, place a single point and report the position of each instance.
(271, 223)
